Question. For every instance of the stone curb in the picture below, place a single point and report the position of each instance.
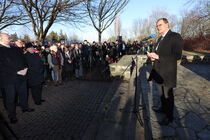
(195, 59)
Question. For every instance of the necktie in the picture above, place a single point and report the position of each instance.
(161, 38)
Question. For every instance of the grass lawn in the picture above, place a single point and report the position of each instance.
(194, 53)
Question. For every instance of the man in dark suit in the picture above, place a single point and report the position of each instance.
(167, 51)
(13, 71)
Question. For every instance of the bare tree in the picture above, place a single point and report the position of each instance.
(187, 25)
(52, 36)
(204, 9)
(196, 21)
(10, 14)
(136, 28)
(141, 28)
(26, 38)
(157, 14)
(73, 37)
(192, 2)
(62, 36)
(126, 35)
(44, 13)
(102, 13)
(14, 37)
(201, 6)
(145, 27)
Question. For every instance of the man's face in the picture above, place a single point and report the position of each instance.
(47, 49)
(30, 50)
(5, 39)
(80, 46)
(54, 48)
(62, 42)
(162, 27)
(19, 43)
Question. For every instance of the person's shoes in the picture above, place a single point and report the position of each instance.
(158, 110)
(165, 121)
(28, 110)
(44, 84)
(13, 120)
(42, 100)
(38, 103)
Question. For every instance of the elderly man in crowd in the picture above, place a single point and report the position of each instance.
(13, 76)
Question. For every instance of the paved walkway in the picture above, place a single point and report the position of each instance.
(83, 110)
(117, 120)
(68, 111)
(192, 104)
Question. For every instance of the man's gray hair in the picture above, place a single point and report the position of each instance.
(164, 20)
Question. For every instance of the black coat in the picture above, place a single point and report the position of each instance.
(11, 61)
(35, 69)
(68, 66)
(113, 52)
(169, 51)
(77, 57)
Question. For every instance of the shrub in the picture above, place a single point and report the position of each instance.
(201, 43)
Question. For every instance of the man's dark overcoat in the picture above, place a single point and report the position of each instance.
(169, 50)
(35, 69)
(11, 61)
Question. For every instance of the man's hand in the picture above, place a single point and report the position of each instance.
(153, 56)
(22, 72)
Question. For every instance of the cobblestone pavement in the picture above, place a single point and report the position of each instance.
(192, 104)
(117, 119)
(66, 113)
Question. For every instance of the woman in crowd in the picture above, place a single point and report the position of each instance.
(55, 61)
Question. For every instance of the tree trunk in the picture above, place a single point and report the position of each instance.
(99, 37)
(42, 40)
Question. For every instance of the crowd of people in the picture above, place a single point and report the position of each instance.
(25, 66)
(72, 61)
